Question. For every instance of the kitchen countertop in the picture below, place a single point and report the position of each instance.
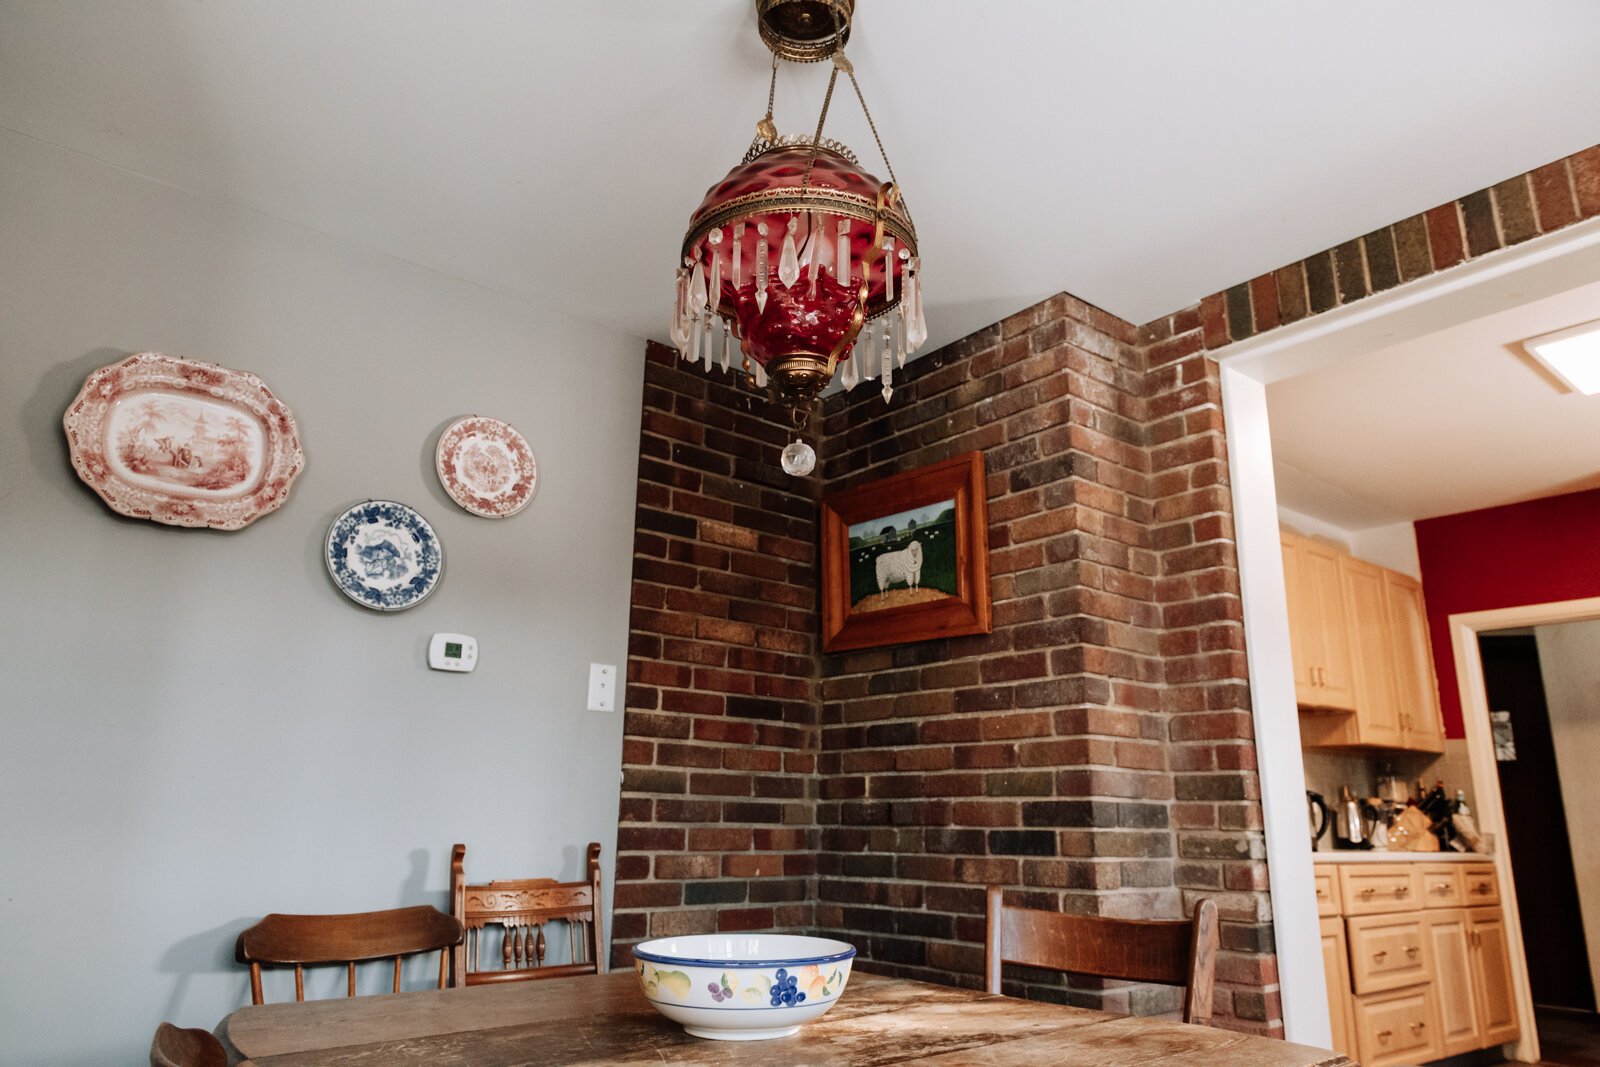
(1353, 855)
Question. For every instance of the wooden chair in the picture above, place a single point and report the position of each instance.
(1181, 952)
(521, 908)
(174, 1046)
(318, 940)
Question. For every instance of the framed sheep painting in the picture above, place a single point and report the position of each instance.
(906, 558)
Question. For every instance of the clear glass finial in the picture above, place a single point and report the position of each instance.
(798, 458)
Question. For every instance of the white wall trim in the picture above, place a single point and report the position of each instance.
(1295, 925)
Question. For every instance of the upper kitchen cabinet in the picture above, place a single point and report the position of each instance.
(1416, 687)
(1359, 635)
(1319, 631)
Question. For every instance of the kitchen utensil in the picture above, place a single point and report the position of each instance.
(1352, 824)
(1390, 786)
(1320, 816)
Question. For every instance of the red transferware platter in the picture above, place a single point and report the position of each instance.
(486, 467)
(184, 443)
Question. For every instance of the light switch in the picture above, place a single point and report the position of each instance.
(602, 687)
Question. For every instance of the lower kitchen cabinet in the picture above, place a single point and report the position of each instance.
(1412, 974)
(1459, 1022)
(1398, 1026)
(1491, 975)
(1336, 971)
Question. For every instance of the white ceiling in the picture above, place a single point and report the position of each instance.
(1139, 155)
(1452, 421)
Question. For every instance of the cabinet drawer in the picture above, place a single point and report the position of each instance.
(1388, 952)
(1396, 1027)
(1480, 886)
(1369, 890)
(1327, 882)
(1441, 886)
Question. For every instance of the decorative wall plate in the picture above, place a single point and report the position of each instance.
(184, 443)
(384, 555)
(486, 467)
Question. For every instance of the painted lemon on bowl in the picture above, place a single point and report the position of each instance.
(743, 987)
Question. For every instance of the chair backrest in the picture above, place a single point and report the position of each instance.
(521, 908)
(304, 941)
(174, 1046)
(1177, 952)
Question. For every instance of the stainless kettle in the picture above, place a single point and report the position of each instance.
(1353, 822)
(1320, 816)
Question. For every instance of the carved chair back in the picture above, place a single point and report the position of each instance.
(521, 909)
(174, 1046)
(1177, 952)
(304, 941)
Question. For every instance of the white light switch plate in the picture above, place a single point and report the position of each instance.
(602, 687)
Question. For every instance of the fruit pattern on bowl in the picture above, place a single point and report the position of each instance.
(786, 988)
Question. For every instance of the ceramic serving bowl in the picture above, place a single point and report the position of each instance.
(743, 987)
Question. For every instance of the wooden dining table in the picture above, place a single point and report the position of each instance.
(605, 1019)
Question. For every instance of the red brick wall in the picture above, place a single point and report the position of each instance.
(717, 826)
(1094, 751)
(1518, 209)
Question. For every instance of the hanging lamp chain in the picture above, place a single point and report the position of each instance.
(766, 129)
(816, 138)
(873, 126)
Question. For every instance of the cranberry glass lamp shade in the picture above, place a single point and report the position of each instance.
(809, 262)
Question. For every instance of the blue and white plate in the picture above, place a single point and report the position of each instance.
(384, 555)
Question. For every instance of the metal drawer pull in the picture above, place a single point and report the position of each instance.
(1380, 954)
(1442, 887)
(1481, 887)
(1401, 890)
(1367, 892)
(1384, 1035)
(1418, 1026)
(1412, 951)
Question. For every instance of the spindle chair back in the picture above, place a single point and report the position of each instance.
(521, 909)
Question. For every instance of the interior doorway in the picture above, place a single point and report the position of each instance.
(1510, 279)
(1537, 821)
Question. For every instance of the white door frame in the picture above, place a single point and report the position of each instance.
(1508, 278)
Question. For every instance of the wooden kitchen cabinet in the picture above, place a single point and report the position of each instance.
(1449, 939)
(1491, 975)
(1336, 971)
(1319, 632)
(1416, 687)
(1412, 974)
(1378, 719)
(1359, 637)
(1397, 1027)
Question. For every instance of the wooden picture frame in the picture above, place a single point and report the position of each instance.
(889, 584)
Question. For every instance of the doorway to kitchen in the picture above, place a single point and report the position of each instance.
(1346, 337)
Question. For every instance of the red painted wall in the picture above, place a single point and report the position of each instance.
(1534, 553)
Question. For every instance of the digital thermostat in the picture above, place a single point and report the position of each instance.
(453, 652)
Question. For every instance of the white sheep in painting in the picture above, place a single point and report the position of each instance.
(902, 566)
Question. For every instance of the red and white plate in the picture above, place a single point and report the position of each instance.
(486, 467)
(184, 443)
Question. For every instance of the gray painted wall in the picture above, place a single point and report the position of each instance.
(196, 727)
